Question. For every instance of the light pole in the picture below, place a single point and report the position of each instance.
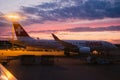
(13, 18)
(13, 36)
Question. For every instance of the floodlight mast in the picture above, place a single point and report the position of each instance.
(13, 34)
(13, 18)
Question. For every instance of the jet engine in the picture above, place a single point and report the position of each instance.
(84, 50)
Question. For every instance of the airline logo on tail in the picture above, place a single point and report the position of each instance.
(20, 32)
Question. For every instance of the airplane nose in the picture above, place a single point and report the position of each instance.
(110, 46)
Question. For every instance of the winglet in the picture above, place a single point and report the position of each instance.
(55, 37)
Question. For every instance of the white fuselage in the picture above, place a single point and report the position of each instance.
(93, 44)
(52, 44)
(46, 44)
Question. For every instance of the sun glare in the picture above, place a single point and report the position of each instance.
(13, 17)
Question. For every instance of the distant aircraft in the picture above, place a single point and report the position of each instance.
(69, 46)
(24, 39)
(84, 46)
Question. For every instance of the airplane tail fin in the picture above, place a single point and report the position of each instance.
(19, 31)
(55, 37)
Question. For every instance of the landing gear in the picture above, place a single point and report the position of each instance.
(4, 63)
(96, 60)
(91, 60)
(67, 53)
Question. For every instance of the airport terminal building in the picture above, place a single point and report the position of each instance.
(4, 44)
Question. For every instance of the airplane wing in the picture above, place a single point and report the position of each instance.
(17, 42)
(63, 43)
(5, 74)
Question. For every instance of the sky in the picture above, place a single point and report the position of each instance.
(68, 19)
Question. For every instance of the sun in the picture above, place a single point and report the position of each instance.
(13, 17)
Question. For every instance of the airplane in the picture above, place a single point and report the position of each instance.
(24, 39)
(85, 47)
(81, 47)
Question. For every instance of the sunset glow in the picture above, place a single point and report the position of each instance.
(88, 20)
(13, 17)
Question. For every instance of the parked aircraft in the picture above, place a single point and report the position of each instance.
(69, 46)
(85, 46)
(24, 39)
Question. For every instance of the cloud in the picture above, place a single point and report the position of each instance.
(117, 41)
(3, 21)
(3, 24)
(81, 29)
(45, 31)
(61, 10)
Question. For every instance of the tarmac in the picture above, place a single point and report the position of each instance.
(64, 69)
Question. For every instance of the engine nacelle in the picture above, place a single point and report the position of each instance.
(84, 50)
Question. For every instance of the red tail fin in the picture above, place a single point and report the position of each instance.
(19, 31)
